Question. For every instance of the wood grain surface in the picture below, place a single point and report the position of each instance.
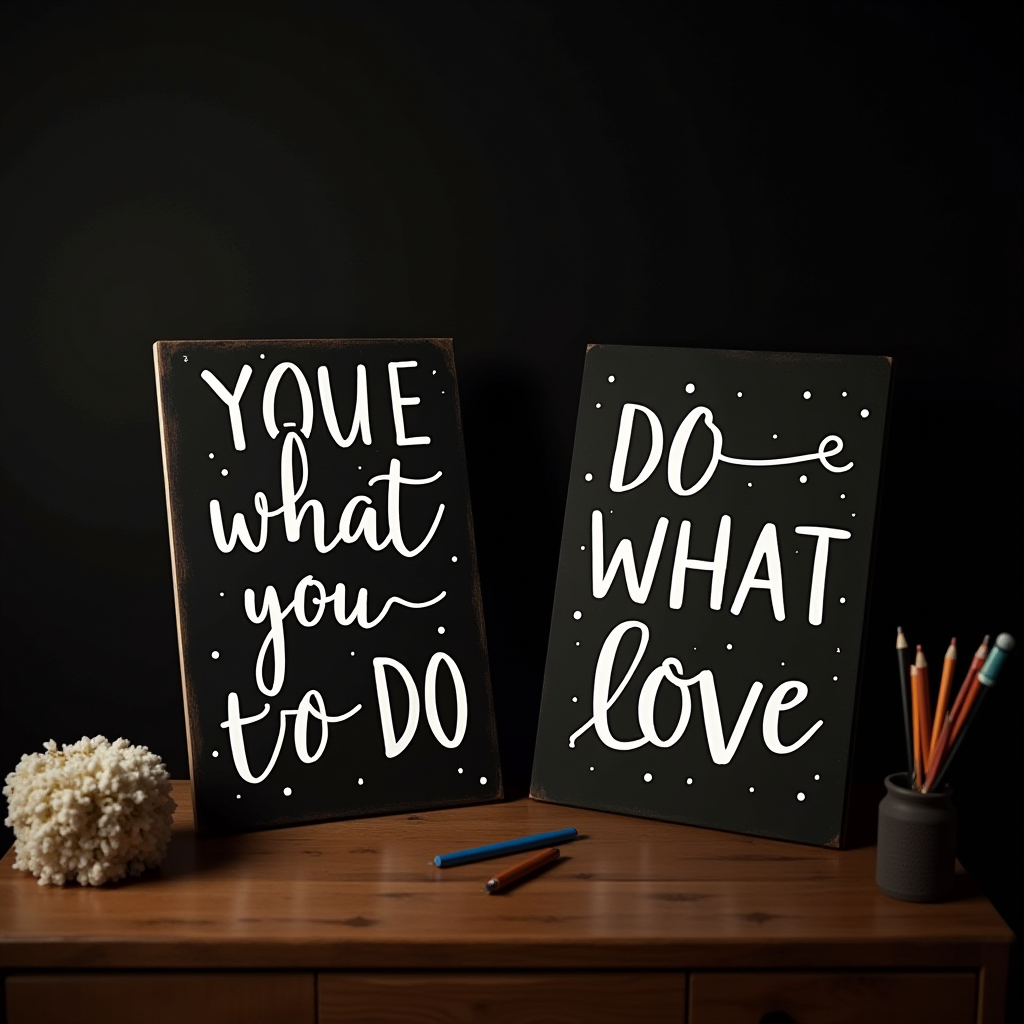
(513, 998)
(364, 894)
(834, 998)
(162, 998)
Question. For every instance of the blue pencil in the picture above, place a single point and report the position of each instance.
(562, 835)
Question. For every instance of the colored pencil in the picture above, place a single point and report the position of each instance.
(515, 874)
(915, 700)
(921, 663)
(938, 749)
(948, 668)
(562, 835)
(986, 679)
(901, 664)
(965, 690)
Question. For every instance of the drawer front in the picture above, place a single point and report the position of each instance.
(833, 998)
(162, 998)
(507, 998)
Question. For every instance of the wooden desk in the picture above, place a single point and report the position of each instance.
(641, 920)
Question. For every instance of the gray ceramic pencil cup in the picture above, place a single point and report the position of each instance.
(916, 842)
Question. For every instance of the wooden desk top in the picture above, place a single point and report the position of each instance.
(365, 894)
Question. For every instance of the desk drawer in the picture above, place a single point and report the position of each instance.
(187, 998)
(833, 998)
(506, 998)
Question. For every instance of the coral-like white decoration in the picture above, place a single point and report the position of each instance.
(91, 812)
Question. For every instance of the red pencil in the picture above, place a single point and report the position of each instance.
(965, 690)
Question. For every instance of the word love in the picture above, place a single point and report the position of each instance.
(831, 445)
(785, 697)
(766, 550)
(312, 706)
(360, 416)
(349, 531)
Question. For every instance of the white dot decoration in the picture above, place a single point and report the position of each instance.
(216, 753)
(842, 495)
(591, 767)
(801, 797)
(211, 455)
(864, 414)
(689, 782)
(215, 655)
(577, 643)
(775, 437)
(842, 600)
(751, 789)
(455, 558)
(223, 472)
(483, 780)
(598, 406)
(583, 547)
(262, 356)
(648, 777)
(749, 484)
(352, 654)
(433, 373)
(222, 593)
(739, 394)
(690, 388)
(844, 394)
(807, 394)
(835, 679)
(287, 790)
(238, 796)
(575, 699)
(728, 647)
(611, 379)
(837, 650)
(782, 663)
(460, 771)
(853, 515)
(577, 615)
(816, 777)
(589, 476)
(803, 479)
(440, 629)
(360, 781)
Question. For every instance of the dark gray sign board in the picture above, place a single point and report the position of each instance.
(330, 625)
(713, 579)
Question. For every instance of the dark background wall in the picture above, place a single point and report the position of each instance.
(526, 178)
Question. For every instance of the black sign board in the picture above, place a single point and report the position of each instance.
(329, 617)
(709, 612)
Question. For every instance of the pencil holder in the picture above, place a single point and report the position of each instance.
(916, 842)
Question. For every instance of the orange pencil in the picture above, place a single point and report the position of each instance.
(915, 698)
(965, 690)
(938, 753)
(948, 668)
(921, 663)
(516, 873)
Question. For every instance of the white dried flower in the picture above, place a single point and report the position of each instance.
(91, 812)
